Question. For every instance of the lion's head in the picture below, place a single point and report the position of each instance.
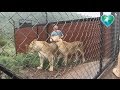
(32, 46)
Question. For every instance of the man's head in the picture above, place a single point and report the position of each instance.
(55, 27)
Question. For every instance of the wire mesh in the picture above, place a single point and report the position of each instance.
(22, 32)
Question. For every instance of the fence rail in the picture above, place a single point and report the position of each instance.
(9, 73)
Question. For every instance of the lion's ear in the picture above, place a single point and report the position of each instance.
(34, 40)
(26, 45)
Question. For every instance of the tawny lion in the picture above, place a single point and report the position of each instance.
(67, 48)
(45, 50)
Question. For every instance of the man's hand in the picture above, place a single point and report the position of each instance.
(51, 39)
(62, 36)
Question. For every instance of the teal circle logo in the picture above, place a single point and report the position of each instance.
(107, 20)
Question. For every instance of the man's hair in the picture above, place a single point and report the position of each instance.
(55, 25)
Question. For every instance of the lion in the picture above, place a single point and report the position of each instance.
(70, 48)
(45, 50)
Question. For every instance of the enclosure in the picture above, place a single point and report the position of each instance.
(19, 29)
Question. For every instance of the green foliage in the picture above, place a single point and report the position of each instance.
(29, 60)
(2, 41)
(8, 62)
(20, 61)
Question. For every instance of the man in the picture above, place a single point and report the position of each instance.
(56, 34)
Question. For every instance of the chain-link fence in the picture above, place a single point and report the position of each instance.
(30, 51)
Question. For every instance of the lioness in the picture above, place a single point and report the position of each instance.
(67, 48)
(45, 50)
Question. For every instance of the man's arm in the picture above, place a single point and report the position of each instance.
(62, 35)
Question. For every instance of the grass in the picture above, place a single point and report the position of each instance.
(23, 61)
(29, 60)
(14, 62)
(2, 41)
(20, 60)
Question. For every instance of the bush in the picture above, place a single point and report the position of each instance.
(6, 60)
(29, 60)
(2, 43)
(4, 54)
(32, 61)
(23, 61)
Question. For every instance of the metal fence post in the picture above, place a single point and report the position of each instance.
(101, 48)
(115, 39)
(117, 35)
(14, 35)
(119, 31)
(9, 73)
(101, 44)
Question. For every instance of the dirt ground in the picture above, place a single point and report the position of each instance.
(83, 71)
